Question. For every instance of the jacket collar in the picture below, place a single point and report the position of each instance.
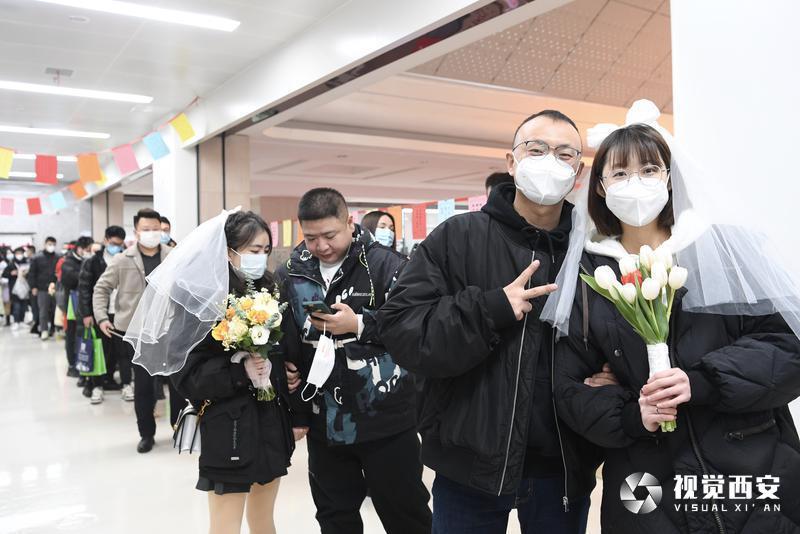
(136, 255)
(303, 263)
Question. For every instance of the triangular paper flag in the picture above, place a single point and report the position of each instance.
(419, 222)
(183, 127)
(78, 191)
(46, 169)
(88, 168)
(6, 206)
(57, 201)
(6, 158)
(125, 159)
(397, 213)
(34, 206)
(300, 236)
(155, 145)
(274, 229)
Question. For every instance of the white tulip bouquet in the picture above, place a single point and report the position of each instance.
(644, 296)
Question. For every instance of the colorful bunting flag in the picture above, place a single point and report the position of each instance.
(78, 191)
(275, 231)
(300, 236)
(125, 159)
(447, 208)
(6, 157)
(89, 168)
(46, 169)
(155, 145)
(34, 206)
(57, 201)
(476, 203)
(397, 214)
(419, 222)
(182, 127)
(287, 233)
(6, 206)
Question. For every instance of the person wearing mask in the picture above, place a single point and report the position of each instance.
(246, 443)
(92, 269)
(465, 314)
(381, 224)
(30, 253)
(166, 230)
(6, 258)
(17, 267)
(41, 276)
(358, 403)
(735, 362)
(70, 271)
(127, 274)
(495, 179)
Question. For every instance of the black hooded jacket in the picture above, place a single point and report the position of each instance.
(487, 418)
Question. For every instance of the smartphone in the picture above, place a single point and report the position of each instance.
(317, 306)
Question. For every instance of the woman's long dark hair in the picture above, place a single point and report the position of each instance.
(240, 230)
(371, 219)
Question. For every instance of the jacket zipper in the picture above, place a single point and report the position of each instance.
(741, 434)
(516, 392)
(565, 498)
(692, 436)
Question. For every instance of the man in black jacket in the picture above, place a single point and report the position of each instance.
(360, 408)
(41, 274)
(69, 281)
(92, 269)
(464, 314)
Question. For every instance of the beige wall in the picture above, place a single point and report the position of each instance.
(277, 208)
(107, 209)
(214, 195)
(237, 172)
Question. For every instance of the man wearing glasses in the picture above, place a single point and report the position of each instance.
(465, 315)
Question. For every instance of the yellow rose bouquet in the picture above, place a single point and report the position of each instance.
(252, 324)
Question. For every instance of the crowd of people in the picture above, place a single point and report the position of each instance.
(516, 409)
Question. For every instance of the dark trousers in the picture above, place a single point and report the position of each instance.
(389, 468)
(70, 338)
(47, 309)
(123, 355)
(462, 510)
(35, 311)
(18, 308)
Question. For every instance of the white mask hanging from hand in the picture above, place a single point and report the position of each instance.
(321, 365)
(637, 203)
(546, 181)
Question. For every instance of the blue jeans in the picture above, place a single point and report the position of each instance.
(458, 509)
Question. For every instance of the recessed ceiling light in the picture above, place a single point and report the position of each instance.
(173, 16)
(33, 156)
(53, 131)
(28, 174)
(79, 19)
(72, 91)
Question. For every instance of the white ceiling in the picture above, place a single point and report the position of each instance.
(172, 63)
(606, 51)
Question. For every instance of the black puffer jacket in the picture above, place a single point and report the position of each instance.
(91, 270)
(743, 371)
(70, 271)
(487, 398)
(43, 270)
(244, 441)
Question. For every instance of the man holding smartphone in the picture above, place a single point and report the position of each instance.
(355, 402)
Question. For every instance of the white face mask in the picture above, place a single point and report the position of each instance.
(150, 239)
(252, 266)
(637, 203)
(50, 248)
(384, 236)
(18, 257)
(545, 181)
(321, 365)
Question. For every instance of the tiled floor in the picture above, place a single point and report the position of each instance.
(68, 466)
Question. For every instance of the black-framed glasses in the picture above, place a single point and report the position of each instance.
(538, 149)
(647, 172)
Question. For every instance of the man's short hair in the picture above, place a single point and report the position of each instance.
(145, 213)
(49, 239)
(164, 220)
(84, 242)
(321, 203)
(552, 114)
(115, 231)
(497, 178)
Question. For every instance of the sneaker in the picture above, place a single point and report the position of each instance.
(44, 335)
(88, 391)
(15, 327)
(127, 393)
(97, 396)
(73, 373)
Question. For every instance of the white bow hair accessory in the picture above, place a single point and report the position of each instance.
(642, 112)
